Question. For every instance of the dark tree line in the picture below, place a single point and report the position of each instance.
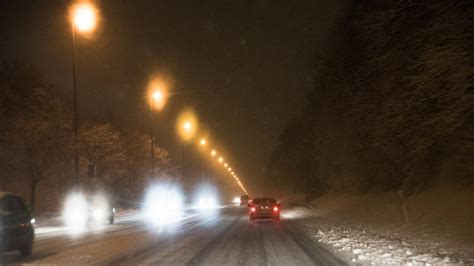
(37, 145)
(393, 107)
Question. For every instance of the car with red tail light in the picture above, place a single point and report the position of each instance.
(264, 208)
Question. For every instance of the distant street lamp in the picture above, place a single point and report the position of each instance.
(83, 19)
(186, 126)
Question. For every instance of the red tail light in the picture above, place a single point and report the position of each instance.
(275, 209)
(253, 209)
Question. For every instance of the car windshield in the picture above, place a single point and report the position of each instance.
(237, 132)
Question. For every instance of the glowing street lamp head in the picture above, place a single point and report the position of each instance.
(203, 142)
(187, 126)
(220, 159)
(84, 17)
(157, 96)
(225, 165)
(157, 90)
(213, 152)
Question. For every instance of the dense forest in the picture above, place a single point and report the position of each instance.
(37, 145)
(393, 104)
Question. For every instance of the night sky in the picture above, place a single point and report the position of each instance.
(246, 66)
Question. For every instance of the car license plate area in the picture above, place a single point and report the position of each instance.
(264, 209)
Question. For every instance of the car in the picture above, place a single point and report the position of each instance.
(16, 224)
(244, 200)
(101, 215)
(100, 210)
(264, 208)
(81, 209)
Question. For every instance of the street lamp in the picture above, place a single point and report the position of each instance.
(83, 19)
(220, 159)
(157, 100)
(213, 153)
(158, 92)
(203, 143)
(157, 96)
(187, 126)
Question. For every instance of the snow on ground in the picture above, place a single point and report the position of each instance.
(370, 229)
(52, 219)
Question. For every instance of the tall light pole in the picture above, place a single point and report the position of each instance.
(74, 89)
(203, 143)
(152, 139)
(187, 126)
(157, 99)
(84, 19)
(187, 129)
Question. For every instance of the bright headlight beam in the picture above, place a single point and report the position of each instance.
(163, 204)
(236, 200)
(75, 214)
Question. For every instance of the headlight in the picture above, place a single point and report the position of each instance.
(206, 199)
(32, 221)
(98, 215)
(75, 212)
(100, 208)
(163, 204)
(236, 200)
(207, 202)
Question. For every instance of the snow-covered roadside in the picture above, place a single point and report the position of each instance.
(370, 229)
(55, 219)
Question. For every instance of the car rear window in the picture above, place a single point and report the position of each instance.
(10, 204)
(264, 201)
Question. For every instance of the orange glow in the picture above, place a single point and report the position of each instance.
(158, 94)
(84, 16)
(213, 152)
(187, 125)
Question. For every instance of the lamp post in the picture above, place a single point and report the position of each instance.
(203, 143)
(152, 139)
(84, 20)
(186, 129)
(156, 101)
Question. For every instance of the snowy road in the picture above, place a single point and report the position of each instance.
(223, 238)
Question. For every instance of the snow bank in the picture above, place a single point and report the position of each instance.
(371, 228)
(53, 219)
